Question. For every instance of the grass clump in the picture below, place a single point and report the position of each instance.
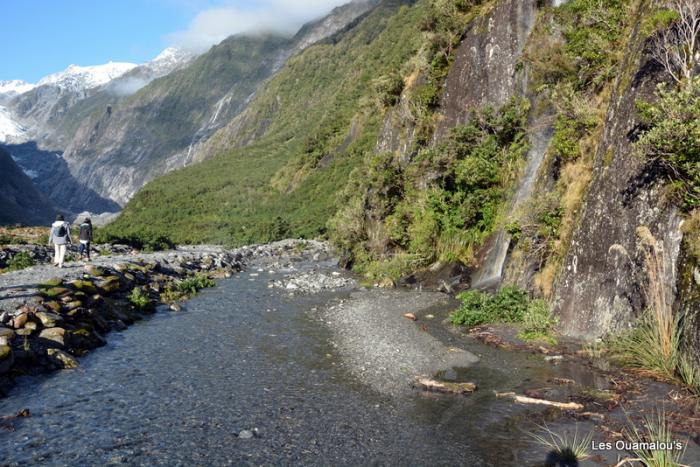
(538, 323)
(656, 344)
(20, 261)
(654, 445)
(563, 449)
(185, 288)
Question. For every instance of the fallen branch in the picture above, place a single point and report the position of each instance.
(432, 385)
(531, 400)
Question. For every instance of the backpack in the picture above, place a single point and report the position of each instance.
(62, 232)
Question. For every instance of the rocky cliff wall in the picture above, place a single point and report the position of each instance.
(601, 287)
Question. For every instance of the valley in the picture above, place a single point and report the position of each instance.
(524, 172)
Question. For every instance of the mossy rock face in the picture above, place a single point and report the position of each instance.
(95, 270)
(55, 292)
(84, 286)
(62, 359)
(55, 282)
(110, 284)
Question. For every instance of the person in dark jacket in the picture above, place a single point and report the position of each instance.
(85, 238)
(60, 238)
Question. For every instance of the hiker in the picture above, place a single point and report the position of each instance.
(85, 238)
(60, 237)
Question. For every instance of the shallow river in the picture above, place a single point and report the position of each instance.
(176, 389)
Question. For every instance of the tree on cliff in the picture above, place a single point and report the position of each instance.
(677, 46)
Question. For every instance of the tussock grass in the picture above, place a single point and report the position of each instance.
(646, 441)
(567, 449)
(655, 345)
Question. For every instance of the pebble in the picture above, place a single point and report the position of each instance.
(246, 434)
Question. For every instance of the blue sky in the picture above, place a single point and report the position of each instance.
(45, 36)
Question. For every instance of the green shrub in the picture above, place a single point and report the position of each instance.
(673, 138)
(11, 240)
(508, 305)
(538, 322)
(19, 261)
(186, 288)
(441, 204)
(139, 298)
(140, 239)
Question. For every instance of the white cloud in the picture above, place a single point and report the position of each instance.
(213, 25)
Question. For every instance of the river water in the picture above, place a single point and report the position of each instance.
(176, 389)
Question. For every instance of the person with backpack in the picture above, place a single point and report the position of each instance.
(85, 238)
(60, 238)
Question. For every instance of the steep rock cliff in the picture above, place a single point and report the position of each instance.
(602, 284)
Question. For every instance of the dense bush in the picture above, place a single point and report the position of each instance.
(19, 261)
(141, 239)
(440, 205)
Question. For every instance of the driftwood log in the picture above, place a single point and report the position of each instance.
(427, 384)
(531, 400)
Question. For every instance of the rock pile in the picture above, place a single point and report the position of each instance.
(313, 282)
(70, 316)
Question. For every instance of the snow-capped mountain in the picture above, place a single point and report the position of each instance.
(10, 130)
(13, 87)
(77, 78)
(169, 60)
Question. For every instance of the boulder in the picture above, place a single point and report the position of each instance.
(6, 336)
(48, 320)
(95, 271)
(19, 321)
(55, 282)
(53, 305)
(110, 284)
(72, 305)
(55, 292)
(54, 334)
(6, 359)
(84, 286)
(62, 359)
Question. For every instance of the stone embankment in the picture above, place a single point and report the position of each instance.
(50, 316)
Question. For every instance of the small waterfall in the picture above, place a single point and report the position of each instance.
(489, 274)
